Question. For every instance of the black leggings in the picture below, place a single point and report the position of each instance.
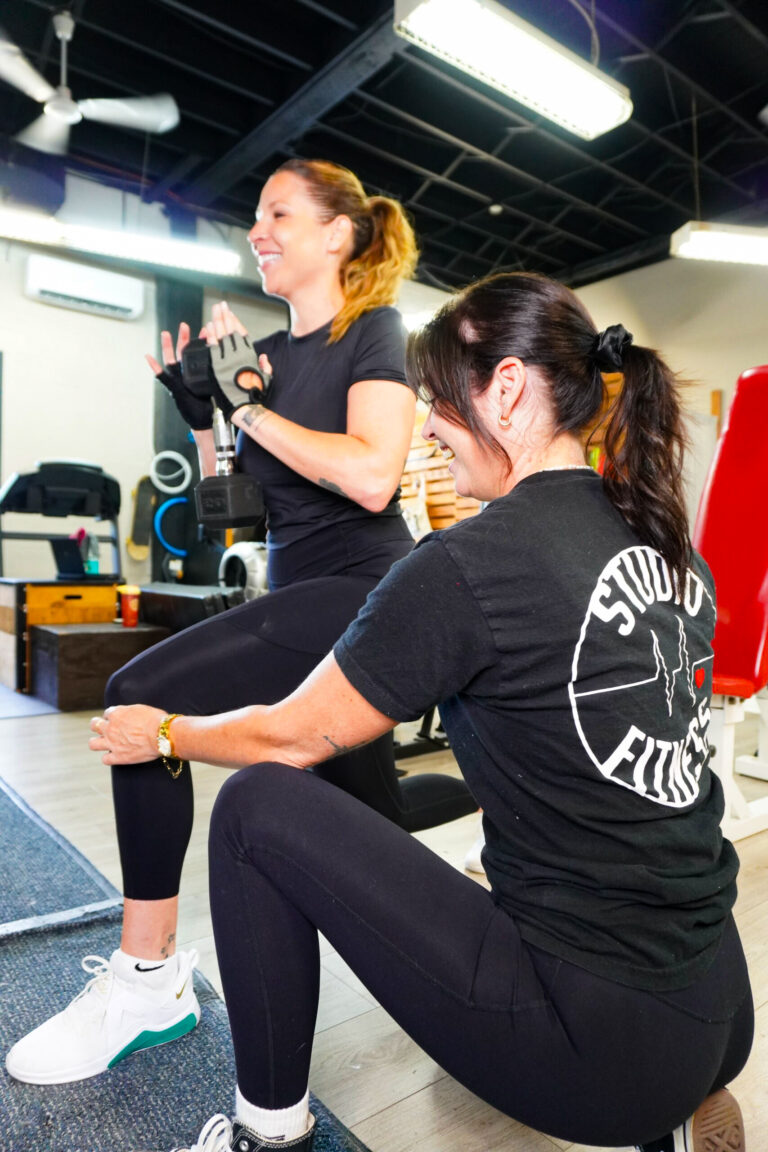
(559, 1049)
(255, 654)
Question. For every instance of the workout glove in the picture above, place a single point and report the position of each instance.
(195, 410)
(231, 358)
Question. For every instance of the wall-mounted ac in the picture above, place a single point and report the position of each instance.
(84, 288)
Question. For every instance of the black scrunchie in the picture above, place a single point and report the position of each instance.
(609, 347)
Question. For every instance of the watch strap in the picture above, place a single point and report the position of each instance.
(171, 761)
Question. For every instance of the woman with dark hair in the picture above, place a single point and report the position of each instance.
(598, 992)
(327, 444)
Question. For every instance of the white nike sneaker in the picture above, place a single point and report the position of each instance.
(112, 1017)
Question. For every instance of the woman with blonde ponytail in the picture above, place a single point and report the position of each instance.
(326, 438)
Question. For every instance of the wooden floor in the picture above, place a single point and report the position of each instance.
(364, 1068)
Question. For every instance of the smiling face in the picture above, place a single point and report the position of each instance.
(293, 246)
(476, 469)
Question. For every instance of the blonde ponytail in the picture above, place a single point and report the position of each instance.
(373, 277)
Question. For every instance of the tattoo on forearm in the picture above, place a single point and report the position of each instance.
(340, 749)
(329, 484)
(253, 415)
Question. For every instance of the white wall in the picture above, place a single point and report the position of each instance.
(709, 321)
(74, 386)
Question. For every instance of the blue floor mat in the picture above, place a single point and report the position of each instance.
(56, 909)
(45, 879)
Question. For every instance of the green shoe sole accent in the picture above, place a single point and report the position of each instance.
(151, 1039)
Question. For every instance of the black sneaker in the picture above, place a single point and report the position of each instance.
(219, 1135)
(243, 1140)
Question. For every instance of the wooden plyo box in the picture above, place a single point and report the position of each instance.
(25, 603)
(71, 663)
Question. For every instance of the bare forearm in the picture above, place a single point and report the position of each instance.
(340, 462)
(233, 739)
(206, 452)
(128, 734)
(324, 717)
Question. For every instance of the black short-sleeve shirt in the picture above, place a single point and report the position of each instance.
(574, 682)
(311, 382)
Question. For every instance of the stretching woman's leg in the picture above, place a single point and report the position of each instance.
(199, 670)
(257, 653)
(548, 1043)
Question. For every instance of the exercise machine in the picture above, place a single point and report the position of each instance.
(730, 533)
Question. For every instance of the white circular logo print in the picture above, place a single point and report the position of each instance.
(641, 678)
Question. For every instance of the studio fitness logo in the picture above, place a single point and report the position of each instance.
(642, 715)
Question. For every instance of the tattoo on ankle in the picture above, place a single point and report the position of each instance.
(164, 950)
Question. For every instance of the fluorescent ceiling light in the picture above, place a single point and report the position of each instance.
(138, 247)
(731, 243)
(489, 42)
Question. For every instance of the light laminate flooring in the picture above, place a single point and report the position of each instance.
(376, 1080)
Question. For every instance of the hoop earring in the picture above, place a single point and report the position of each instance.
(505, 423)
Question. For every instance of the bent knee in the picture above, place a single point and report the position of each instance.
(138, 682)
(127, 687)
(119, 690)
(265, 792)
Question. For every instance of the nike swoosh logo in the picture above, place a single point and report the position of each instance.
(139, 968)
(179, 993)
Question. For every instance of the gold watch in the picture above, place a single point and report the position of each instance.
(165, 746)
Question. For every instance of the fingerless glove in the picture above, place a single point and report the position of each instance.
(195, 410)
(231, 358)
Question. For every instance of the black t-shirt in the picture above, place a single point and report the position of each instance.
(574, 685)
(311, 380)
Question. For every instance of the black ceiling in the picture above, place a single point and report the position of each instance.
(259, 80)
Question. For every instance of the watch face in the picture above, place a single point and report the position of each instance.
(164, 746)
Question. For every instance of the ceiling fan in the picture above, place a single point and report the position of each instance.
(50, 132)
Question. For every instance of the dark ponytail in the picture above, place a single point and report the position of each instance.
(644, 444)
(451, 361)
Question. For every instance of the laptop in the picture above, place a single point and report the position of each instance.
(69, 561)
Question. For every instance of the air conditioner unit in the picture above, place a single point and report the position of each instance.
(67, 284)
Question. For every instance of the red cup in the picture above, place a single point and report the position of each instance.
(129, 604)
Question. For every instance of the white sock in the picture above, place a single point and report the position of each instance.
(150, 973)
(274, 1123)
